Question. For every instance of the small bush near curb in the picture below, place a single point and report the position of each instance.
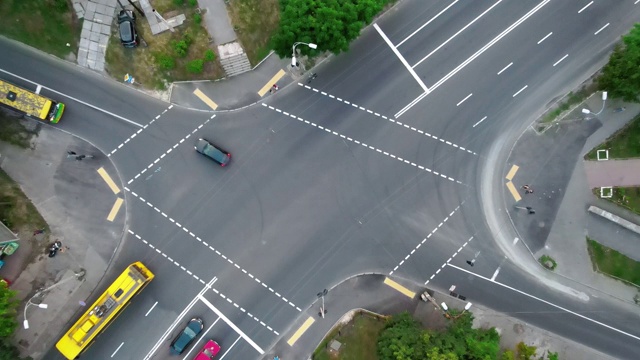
(548, 262)
(193, 3)
(209, 55)
(165, 62)
(196, 66)
(197, 18)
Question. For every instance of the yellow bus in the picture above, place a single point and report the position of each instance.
(30, 103)
(104, 310)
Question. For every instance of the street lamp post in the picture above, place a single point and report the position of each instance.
(25, 323)
(30, 302)
(604, 101)
(294, 62)
(321, 295)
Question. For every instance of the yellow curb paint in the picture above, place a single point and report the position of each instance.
(400, 288)
(512, 172)
(114, 209)
(270, 83)
(514, 191)
(205, 99)
(108, 180)
(301, 330)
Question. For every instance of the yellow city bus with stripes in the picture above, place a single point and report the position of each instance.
(104, 310)
(30, 103)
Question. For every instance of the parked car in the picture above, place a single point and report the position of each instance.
(187, 335)
(218, 155)
(210, 349)
(127, 28)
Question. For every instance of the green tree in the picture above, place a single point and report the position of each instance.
(525, 352)
(8, 306)
(507, 355)
(400, 338)
(332, 24)
(552, 355)
(621, 76)
(7, 350)
(209, 55)
(165, 62)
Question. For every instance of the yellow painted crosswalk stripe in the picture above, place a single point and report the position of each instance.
(400, 288)
(512, 172)
(271, 82)
(301, 330)
(108, 180)
(514, 192)
(205, 99)
(115, 209)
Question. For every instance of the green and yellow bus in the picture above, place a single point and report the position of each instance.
(30, 103)
(104, 310)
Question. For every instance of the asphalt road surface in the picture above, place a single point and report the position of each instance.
(373, 167)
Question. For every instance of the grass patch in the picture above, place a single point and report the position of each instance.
(611, 262)
(358, 338)
(627, 197)
(254, 22)
(16, 210)
(169, 56)
(624, 144)
(47, 25)
(13, 132)
(569, 101)
(548, 262)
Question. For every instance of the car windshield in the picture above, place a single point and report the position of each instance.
(214, 152)
(207, 352)
(190, 333)
(125, 31)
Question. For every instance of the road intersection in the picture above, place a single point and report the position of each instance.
(382, 166)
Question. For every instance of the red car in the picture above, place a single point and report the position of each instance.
(211, 349)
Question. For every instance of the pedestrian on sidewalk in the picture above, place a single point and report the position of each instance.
(274, 88)
(38, 231)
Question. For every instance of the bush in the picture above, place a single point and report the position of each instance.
(181, 47)
(197, 18)
(165, 62)
(193, 3)
(209, 55)
(195, 66)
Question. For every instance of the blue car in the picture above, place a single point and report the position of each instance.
(187, 335)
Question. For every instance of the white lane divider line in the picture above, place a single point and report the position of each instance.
(473, 57)
(481, 120)
(495, 274)
(179, 318)
(561, 59)
(421, 132)
(229, 348)
(369, 146)
(425, 239)
(457, 33)
(463, 100)
(170, 150)
(214, 250)
(448, 261)
(139, 131)
(427, 23)
(177, 264)
(521, 90)
(585, 7)
(505, 68)
(118, 349)
(549, 303)
(402, 59)
(602, 28)
(544, 38)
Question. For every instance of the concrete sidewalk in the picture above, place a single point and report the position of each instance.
(552, 164)
(75, 201)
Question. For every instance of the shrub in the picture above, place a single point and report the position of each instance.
(181, 48)
(165, 62)
(193, 3)
(209, 55)
(197, 18)
(195, 66)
